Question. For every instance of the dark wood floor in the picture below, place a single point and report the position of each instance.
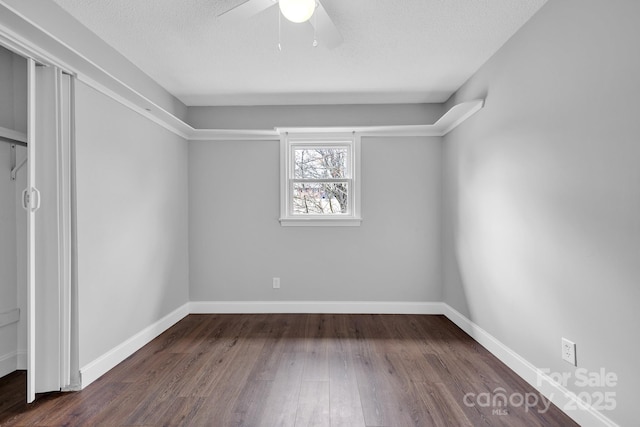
(294, 370)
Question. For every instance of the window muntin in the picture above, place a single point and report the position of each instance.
(320, 185)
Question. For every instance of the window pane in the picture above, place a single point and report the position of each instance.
(320, 163)
(320, 198)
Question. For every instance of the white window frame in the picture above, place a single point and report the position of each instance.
(289, 141)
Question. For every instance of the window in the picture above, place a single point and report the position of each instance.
(320, 179)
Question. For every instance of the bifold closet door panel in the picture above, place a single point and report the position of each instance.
(48, 160)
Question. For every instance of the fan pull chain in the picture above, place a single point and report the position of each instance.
(315, 26)
(279, 30)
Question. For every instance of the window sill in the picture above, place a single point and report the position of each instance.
(320, 222)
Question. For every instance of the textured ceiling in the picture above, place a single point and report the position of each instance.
(393, 50)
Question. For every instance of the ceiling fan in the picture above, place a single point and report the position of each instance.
(297, 11)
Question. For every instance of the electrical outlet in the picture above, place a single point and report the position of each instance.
(276, 283)
(569, 351)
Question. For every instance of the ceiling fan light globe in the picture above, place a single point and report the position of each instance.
(297, 10)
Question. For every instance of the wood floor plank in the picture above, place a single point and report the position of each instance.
(414, 366)
(443, 408)
(220, 351)
(80, 411)
(313, 405)
(406, 404)
(379, 396)
(341, 335)
(181, 411)
(197, 327)
(377, 408)
(345, 403)
(282, 400)
(293, 369)
(120, 409)
(445, 338)
(135, 365)
(317, 337)
(408, 335)
(266, 366)
(151, 386)
(251, 402)
(20, 413)
(229, 385)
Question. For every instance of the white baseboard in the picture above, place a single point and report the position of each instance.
(8, 363)
(341, 307)
(96, 368)
(585, 415)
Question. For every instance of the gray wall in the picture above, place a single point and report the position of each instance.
(542, 212)
(132, 222)
(236, 244)
(8, 257)
(13, 91)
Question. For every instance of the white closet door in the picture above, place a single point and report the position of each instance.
(31, 206)
(48, 275)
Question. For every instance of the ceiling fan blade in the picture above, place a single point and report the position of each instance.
(246, 10)
(328, 33)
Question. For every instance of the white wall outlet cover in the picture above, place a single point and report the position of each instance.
(276, 283)
(569, 351)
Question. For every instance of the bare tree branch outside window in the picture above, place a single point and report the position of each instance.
(321, 198)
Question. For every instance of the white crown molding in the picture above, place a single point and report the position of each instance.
(445, 124)
(449, 121)
(458, 114)
(233, 135)
(153, 112)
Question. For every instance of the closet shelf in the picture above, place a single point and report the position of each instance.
(13, 136)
